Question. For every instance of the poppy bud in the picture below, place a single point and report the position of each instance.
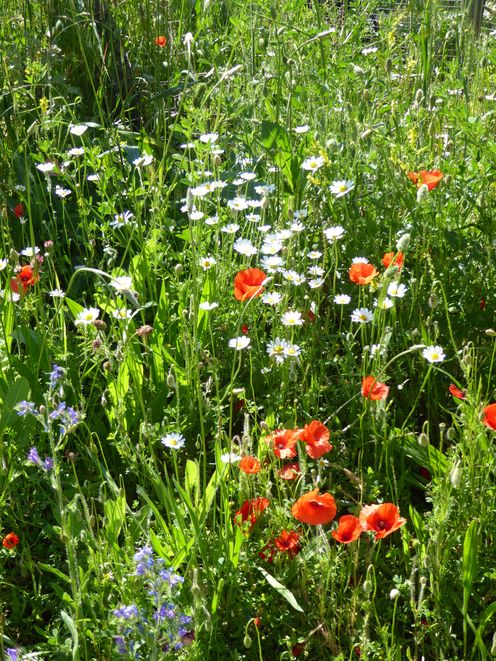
(493, 647)
(366, 95)
(433, 301)
(366, 134)
(99, 324)
(171, 382)
(423, 440)
(403, 242)
(264, 426)
(451, 434)
(490, 332)
(367, 586)
(455, 476)
(42, 409)
(247, 641)
(394, 594)
(447, 180)
(422, 193)
(217, 160)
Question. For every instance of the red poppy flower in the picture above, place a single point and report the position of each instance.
(314, 509)
(249, 465)
(316, 436)
(268, 552)
(248, 284)
(298, 649)
(26, 277)
(362, 274)
(161, 41)
(430, 178)
(456, 392)
(349, 529)
(288, 542)
(250, 510)
(284, 441)
(482, 304)
(19, 210)
(244, 329)
(290, 471)
(489, 418)
(395, 258)
(381, 519)
(257, 621)
(373, 389)
(10, 540)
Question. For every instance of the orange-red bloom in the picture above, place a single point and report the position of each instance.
(161, 41)
(288, 542)
(284, 441)
(19, 210)
(362, 274)
(349, 529)
(10, 540)
(395, 258)
(250, 510)
(26, 278)
(373, 389)
(290, 471)
(489, 418)
(249, 465)
(381, 519)
(430, 178)
(248, 284)
(456, 392)
(316, 436)
(315, 509)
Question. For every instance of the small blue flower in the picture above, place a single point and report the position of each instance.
(34, 457)
(56, 375)
(24, 407)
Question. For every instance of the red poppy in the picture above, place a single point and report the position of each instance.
(430, 178)
(290, 471)
(373, 389)
(395, 258)
(26, 277)
(248, 284)
(257, 620)
(250, 510)
(381, 519)
(288, 542)
(298, 649)
(244, 329)
(456, 392)
(10, 540)
(482, 304)
(284, 441)
(268, 552)
(19, 210)
(316, 436)
(349, 529)
(161, 41)
(249, 465)
(362, 274)
(314, 509)
(489, 418)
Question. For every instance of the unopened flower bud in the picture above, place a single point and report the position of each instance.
(389, 65)
(247, 641)
(99, 324)
(179, 268)
(171, 381)
(419, 97)
(217, 160)
(144, 331)
(96, 344)
(366, 134)
(423, 440)
(367, 586)
(264, 426)
(366, 95)
(403, 242)
(42, 409)
(107, 366)
(422, 193)
(433, 301)
(451, 434)
(493, 647)
(394, 594)
(491, 333)
(456, 476)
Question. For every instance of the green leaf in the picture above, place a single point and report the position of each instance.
(283, 591)
(17, 392)
(276, 140)
(69, 622)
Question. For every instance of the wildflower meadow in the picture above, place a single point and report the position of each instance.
(247, 331)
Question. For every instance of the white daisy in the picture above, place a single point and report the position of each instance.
(292, 318)
(293, 277)
(174, 441)
(77, 129)
(208, 305)
(434, 354)
(342, 299)
(244, 247)
(386, 304)
(29, 251)
(315, 283)
(76, 151)
(314, 254)
(341, 187)
(292, 350)
(123, 314)
(46, 167)
(271, 298)
(313, 163)
(230, 458)
(334, 233)
(231, 228)
(277, 349)
(122, 283)
(209, 138)
(87, 316)
(396, 290)
(239, 343)
(62, 192)
(207, 263)
(362, 315)
(301, 129)
(316, 271)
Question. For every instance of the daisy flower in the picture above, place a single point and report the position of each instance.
(341, 187)
(174, 441)
(434, 354)
(342, 299)
(271, 298)
(396, 290)
(292, 318)
(362, 315)
(313, 163)
(207, 263)
(245, 247)
(334, 233)
(87, 316)
(239, 343)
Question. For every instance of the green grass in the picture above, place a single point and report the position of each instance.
(244, 126)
